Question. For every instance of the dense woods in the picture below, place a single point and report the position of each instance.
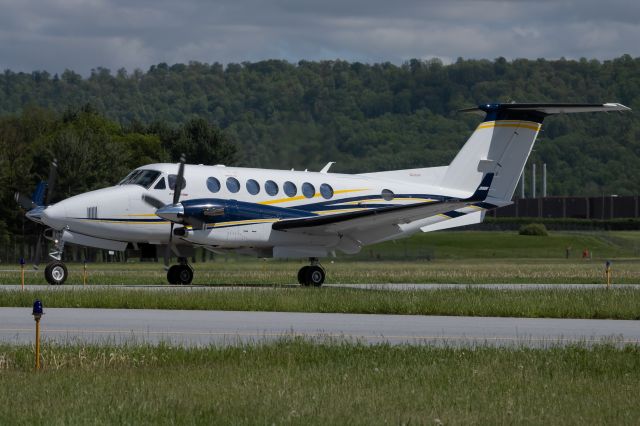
(283, 115)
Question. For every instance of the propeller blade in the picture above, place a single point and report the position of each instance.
(51, 182)
(167, 250)
(24, 201)
(180, 179)
(152, 201)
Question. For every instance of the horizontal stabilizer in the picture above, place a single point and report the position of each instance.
(531, 111)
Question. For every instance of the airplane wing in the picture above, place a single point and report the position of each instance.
(362, 220)
(356, 222)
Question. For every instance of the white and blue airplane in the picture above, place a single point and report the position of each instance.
(296, 214)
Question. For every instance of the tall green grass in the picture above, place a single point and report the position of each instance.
(596, 303)
(275, 272)
(297, 382)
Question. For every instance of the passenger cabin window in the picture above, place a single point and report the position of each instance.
(143, 178)
(271, 187)
(253, 187)
(213, 184)
(326, 190)
(233, 185)
(160, 184)
(308, 190)
(172, 182)
(290, 189)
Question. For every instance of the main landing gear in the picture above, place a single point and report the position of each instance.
(181, 273)
(312, 275)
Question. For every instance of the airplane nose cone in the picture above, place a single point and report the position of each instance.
(35, 214)
(54, 216)
(172, 212)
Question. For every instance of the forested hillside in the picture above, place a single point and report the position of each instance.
(283, 115)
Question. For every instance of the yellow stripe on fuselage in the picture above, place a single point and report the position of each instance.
(127, 222)
(242, 222)
(326, 212)
(302, 197)
(508, 123)
(380, 200)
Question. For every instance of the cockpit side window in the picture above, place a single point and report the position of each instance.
(172, 182)
(160, 184)
(143, 178)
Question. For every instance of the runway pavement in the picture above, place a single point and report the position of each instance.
(396, 287)
(218, 327)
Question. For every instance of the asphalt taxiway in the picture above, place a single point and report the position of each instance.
(194, 328)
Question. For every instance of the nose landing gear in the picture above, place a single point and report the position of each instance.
(181, 273)
(56, 273)
(312, 275)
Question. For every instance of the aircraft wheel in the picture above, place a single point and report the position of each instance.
(302, 275)
(184, 274)
(56, 273)
(315, 276)
(172, 274)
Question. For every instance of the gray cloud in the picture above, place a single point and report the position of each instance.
(84, 34)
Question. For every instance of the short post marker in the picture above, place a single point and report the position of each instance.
(22, 262)
(607, 271)
(84, 273)
(37, 314)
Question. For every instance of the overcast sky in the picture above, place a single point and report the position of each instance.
(83, 34)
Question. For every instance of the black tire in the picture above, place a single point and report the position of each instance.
(56, 273)
(302, 276)
(172, 274)
(184, 274)
(315, 276)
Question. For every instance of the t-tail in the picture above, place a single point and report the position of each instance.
(498, 149)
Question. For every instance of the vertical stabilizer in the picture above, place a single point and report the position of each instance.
(501, 145)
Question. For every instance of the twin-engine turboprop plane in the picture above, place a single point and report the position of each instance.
(296, 214)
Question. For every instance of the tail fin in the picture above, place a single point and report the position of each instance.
(501, 145)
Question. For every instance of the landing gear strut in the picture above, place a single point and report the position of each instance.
(312, 275)
(181, 273)
(56, 272)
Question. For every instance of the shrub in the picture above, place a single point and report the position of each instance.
(534, 229)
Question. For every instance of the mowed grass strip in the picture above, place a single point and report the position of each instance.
(597, 303)
(298, 382)
(257, 272)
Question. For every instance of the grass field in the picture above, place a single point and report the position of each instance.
(602, 303)
(296, 382)
(506, 245)
(274, 272)
(440, 257)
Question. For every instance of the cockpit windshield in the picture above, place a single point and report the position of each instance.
(143, 178)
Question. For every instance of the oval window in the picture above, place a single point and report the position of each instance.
(271, 187)
(290, 189)
(213, 184)
(326, 190)
(387, 195)
(308, 190)
(233, 185)
(253, 187)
